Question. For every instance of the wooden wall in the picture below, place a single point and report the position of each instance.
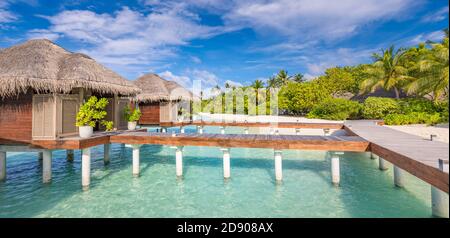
(150, 113)
(16, 119)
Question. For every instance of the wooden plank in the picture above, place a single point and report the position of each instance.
(247, 141)
(411, 153)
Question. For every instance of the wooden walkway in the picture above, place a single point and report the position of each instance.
(298, 125)
(331, 143)
(411, 153)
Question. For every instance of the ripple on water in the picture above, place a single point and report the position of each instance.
(306, 190)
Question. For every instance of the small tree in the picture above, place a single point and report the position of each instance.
(93, 111)
(132, 115)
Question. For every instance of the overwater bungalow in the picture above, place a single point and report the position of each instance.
(42, 86)
(161, 100)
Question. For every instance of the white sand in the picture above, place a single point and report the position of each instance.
(441, 131)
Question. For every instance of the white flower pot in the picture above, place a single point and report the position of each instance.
(86, 131)
(132, 125)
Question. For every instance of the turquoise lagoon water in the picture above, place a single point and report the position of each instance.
(306, 190)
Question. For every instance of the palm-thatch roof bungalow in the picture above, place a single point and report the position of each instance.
(42, 86)
(160, 99)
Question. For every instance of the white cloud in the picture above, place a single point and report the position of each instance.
(436, 16)
(182, 80)
(128, 38)
(207, 78)
(42, 34)
(233, 83)
(196, 59)
(325, 19)
(432, 36)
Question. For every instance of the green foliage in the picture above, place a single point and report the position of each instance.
(132, 115)
(109, 125)
(336, 109)
(300, 98)
(378, 107)
(413, 118)
(91, 112)
(409, 105)
(338, 80)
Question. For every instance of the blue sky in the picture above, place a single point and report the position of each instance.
(216, 40)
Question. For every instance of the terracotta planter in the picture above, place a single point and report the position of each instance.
(86, 131)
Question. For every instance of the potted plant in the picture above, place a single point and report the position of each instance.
(90, 113)
(132, 116)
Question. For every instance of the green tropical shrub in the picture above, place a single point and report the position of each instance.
(378, 107)
(300, 98)
(92, 111)
(132, 115)
(409, 105)
(336, 109)
(413, 118)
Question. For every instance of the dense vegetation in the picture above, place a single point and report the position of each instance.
(417, 76)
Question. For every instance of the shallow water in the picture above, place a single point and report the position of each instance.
(306, 190)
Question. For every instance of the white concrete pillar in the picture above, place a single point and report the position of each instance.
(246, 130)
(297, 131)
(226, 162)
(200, 129)
(85, 167)
(399, 177)
(2, 165)
(382, 164)
(136, 160)
(326, 132)
(179, 160)
(222, 130)
(373, 155)
(163, 130)
(271, 131)
(106, 153)
(278, 165)
(47, 166)
(335, 168)
(69, 155)
(182, 130)
(439, 199)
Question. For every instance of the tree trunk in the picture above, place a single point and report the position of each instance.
(397, 93)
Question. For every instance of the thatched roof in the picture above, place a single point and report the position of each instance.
(154, 88)
(45, 66)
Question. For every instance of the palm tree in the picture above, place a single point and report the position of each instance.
(433, 70)
(386, 72)
(257, 84)
(299, 78)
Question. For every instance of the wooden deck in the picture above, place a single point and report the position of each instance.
(331, 143)
(298, 125)
(76, 143)
(411, 153)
